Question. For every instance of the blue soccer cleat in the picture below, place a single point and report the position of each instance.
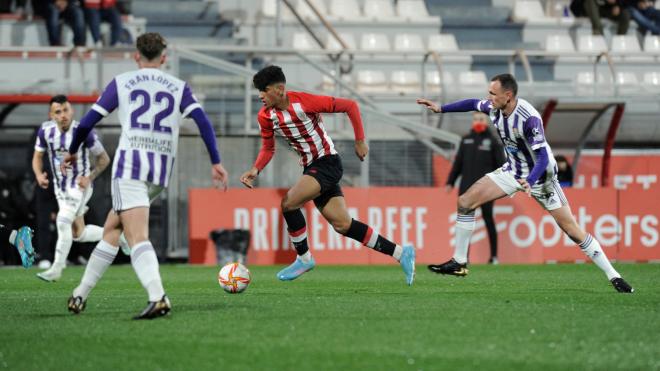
(23, 243)
(295, 270)
(408, 263)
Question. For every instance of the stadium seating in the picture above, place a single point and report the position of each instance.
(433, 83)
(307, 13)
(472, 83)
(627, 83)
(379, 10)
(652, 44)
(651, 82)
(374, 42)
(348, 38)
(409, 43)
(345, 10)
(411, 9)
(591, 43)
(447, 43)
(559, 43)
(530, 11)
(405, 82)
(303, 41)
(371, 81)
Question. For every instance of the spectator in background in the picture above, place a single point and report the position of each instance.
(597, 9)
(645, 15)
(103, 10)
(5, 7)
(67, 10)
(124, 7)
(479, 153)
(565, 172)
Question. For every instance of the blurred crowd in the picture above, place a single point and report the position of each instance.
(79, 15)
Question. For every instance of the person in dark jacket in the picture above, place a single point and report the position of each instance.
(597, 9)
(479, 153)
(564, 171)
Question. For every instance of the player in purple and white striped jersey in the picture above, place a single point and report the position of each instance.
(530, 168)
(74, 188)
(150, 105)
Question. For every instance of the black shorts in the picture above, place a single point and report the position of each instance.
(328, 171)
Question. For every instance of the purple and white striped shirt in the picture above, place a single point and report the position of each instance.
(521, 132)
(52, 140)
(150, 104)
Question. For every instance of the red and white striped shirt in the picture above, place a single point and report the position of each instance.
(302, 126)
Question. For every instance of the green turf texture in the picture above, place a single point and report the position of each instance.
(547, 317)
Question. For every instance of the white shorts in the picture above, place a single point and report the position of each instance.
(548, 194)
(73, 202)
(129, 194)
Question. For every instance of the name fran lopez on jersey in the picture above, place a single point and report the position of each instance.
(137, 79)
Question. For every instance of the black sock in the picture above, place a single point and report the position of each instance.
(295, 221)
(364, 234)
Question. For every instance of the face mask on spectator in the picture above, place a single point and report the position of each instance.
(479, 126)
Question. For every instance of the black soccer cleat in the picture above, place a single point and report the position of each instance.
(76, 304)
(621, 285)
(155, 309)
(451, 267)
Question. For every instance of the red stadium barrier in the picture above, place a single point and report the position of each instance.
(624, 221)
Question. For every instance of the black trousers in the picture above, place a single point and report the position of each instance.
(487, 214)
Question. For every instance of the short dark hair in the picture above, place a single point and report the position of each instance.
(151, 45)
(268, 76)
(508, 82)
(60, 98)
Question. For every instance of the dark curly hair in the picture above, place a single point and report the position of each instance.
(268, 76)
(151, 45)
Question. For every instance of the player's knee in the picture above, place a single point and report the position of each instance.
(465, 205)
(341, 226)
(287, 205)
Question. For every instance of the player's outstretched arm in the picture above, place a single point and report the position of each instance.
(429, 104)
(466, 105)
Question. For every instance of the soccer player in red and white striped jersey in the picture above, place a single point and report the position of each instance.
(297, 117)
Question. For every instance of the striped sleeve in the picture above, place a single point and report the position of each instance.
(188, 102)
(94, 144)
(108, 101)
(533, 130)
(40, 145)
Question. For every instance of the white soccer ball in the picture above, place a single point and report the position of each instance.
(234, 278)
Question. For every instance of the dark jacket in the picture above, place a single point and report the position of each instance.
(477, 155)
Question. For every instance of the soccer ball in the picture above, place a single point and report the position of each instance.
(234, 278)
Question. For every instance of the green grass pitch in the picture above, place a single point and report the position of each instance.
(551, 317)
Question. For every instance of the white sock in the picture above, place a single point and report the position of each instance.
(145, 263)
(306, 257)
(64, 241)
(398, 250)
(91, 233)
(12, 237)
(101, 258)
(591, 248)
(464, 228)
